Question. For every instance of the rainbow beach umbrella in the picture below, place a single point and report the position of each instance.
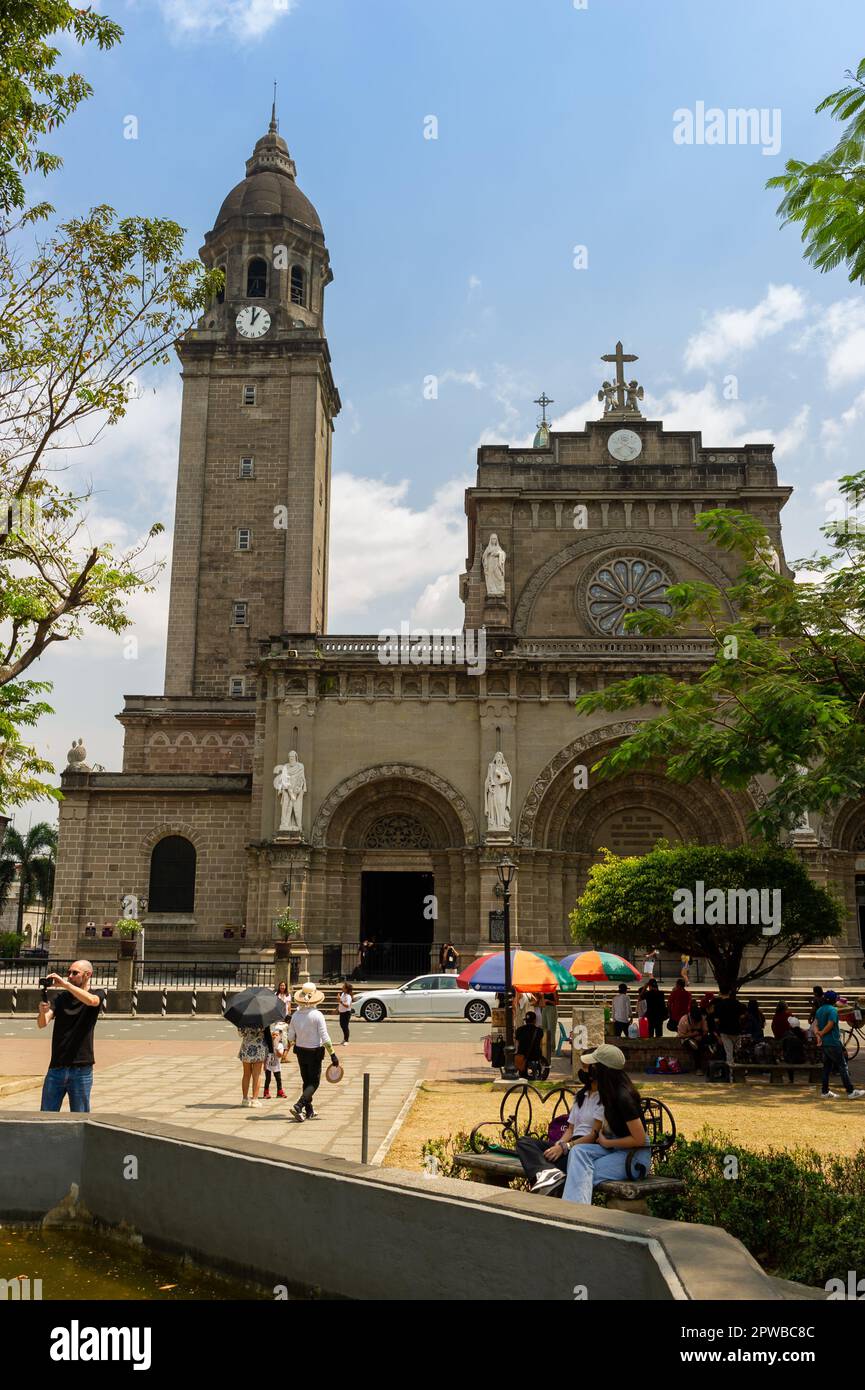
(596, 967)
(531, 972)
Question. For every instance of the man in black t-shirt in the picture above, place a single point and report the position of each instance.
(728, 1017)
(74, 1013)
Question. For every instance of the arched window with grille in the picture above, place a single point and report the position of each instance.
(172, 875)
(298, 285)
(256, 279)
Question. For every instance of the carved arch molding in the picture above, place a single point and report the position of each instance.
(386, 772)
(594, 740)
(597, 545)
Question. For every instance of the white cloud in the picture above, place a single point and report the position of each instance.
(732, 331)
(832, 431)
(842, 327)
(383, 551)
(471, 378)
(439, 606)
(242, 20)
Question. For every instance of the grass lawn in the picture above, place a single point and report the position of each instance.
(757, 1115)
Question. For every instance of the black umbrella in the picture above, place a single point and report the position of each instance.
(254, 1008)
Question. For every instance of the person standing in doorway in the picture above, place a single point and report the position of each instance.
(344, 1010)
(308, 1031)
(828, 1034)
(74, 1013)
(621, 1011)
(449, 959)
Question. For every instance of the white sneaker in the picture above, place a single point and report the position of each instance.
(829, 1095)
(245, 1101)
(855, 1095)
(548, 1180)
(255, 1105)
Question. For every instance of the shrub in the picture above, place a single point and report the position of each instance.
(801, 1214)
(10, 944)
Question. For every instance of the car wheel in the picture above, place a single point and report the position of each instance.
(477, 1011)
(373, 1011)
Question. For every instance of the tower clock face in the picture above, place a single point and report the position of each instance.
(625, 445)
(252, 322)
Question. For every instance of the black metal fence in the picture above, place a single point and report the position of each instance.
(22, 973)
(201, 974)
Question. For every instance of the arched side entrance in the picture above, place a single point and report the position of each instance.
(566, 827)
(172, 875)
(390, 852)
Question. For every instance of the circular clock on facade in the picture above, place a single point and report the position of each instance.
(625, 445)
(252, 321)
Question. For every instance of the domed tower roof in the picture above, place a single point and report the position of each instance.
(269, 188)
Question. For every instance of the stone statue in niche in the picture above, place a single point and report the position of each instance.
(494, 568)
(497, 794)
(289, 782)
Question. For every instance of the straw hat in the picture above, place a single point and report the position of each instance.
(308, 996)
(334, 1073)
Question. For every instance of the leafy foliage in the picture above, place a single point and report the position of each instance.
(826, 197)
(631, 901)
(784, 693)
(34, 97)
(800, 1213)
(36, 853)
(10, 944)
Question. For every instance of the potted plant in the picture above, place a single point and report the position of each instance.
(287, 930)
(129, 930)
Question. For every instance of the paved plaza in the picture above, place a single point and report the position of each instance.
(186, 1073)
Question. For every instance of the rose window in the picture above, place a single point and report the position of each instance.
(626, 586)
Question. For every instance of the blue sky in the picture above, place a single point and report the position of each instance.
(455, 256)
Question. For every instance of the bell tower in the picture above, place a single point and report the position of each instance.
(259, 402)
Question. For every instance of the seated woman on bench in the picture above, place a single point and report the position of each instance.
(605, 1157)
(545, 1164)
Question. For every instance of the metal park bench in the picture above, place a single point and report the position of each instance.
(491, 1158)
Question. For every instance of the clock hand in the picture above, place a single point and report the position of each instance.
(255, 314)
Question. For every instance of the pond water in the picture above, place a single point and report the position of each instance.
(77, 1264)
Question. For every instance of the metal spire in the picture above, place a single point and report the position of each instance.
(274, 123)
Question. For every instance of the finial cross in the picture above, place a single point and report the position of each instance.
(620, 358)
(543, 401)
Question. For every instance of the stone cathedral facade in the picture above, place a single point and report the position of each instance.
(378, 788)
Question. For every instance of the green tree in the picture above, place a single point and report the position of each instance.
(104, 298)
(36, 853)
(784, 692)
(101, 299)
(634, 902)
(34, 97)
(826, 197)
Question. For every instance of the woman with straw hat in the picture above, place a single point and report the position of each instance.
(308, 1031)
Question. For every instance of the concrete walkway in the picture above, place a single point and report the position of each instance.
(203, 1094)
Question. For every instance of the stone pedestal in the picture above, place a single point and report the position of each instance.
(125, 973)
(591, 1018)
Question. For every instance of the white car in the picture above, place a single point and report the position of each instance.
(438, 996)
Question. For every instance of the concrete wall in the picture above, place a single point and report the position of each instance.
(308, 1221)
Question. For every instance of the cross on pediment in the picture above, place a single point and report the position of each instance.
(620, 396)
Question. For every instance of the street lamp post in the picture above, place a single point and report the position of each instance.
(506, 869)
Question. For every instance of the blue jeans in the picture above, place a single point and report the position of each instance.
(74, 1082)
(834, 1058)
(589, 1164)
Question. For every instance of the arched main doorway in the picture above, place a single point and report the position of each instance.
(394, 839)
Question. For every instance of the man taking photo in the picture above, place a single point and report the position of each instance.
(74, 1013)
